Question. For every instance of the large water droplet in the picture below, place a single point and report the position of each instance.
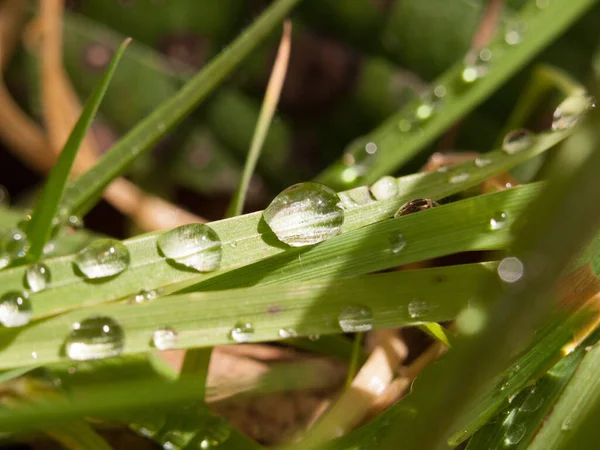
(195, 245)
(355, 319)
(397, 242)
(96, 337)
(570, 111)
(103, 258)
(242, 332)
(510, 270)
(164, 338)
(476, 65)
(414, 206)
(459, 177)
(516, 141)
(305, 214)
(37, 277)
(216, 431)
(14, 244)
(498, 221)
(384, 188)
(514, 434)
(15, 309)
(417, 308)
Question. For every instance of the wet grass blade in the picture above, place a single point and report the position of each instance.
(85, 190)
(40, 227)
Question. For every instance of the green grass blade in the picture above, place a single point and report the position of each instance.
(206, 319)
(40, 226)
(395, 147)
(78, 434)
(86, 189)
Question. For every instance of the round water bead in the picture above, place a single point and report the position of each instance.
(37, 277)
(305, 214)
(516, 141)
(476, 65)
(397, 242)
(570, 111)
(195, 245)
(384, 188)
(414, 206)
(242, 332)
(215, 432)
(355, 319)
(15, 309)
(103, 258)
(498, 221)
(14, 244)
(164, 338)
(96, 337)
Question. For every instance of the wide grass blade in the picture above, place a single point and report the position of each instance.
(40, 226)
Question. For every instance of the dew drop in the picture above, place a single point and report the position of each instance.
(417, 308)
(570, 111)
(476, 65)
(14, 244)
(313, 337)
(103, 258)
(430, 104)
(15, 309)
(460, 177)
(96, 337)
(242, 332)
(532, 402)
(414, 206)
(510, 270)
(516, 141)
(145, 295)
(482, 162)
(195, 245)
(384, 188)
(305, 214)
(216, 431)
(514, 434)
(566, 425)
(513, 35)
(37, 277)
(397, 242)
(355, 319)
(286, 333)
(164, 338)
(498, 221)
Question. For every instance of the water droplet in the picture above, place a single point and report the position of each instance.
(397, 242)
(96, 337)
(146, 295)
(164, 338)
(566, 425)
(14, 244)
(516, 141)
(34, 355)
(430, 104)
(15, 309)
(305, 214)
(460, 177)
(514, 434)
(233, 244)
(417, 308)
(498, 221)
(286, 333)
(216, 431)
(384, 188)
(570, 111)
(242, 332)
(513, 35)
(355, 319)
(195, 245)
(476, 65)
(174, 440)
(414, 206)
(37, 277)
(74, 222)
(313, 337)
(531, 401)
(103, 258)
(471, 320)
(482, 162)
(510, 269)
(355, 198)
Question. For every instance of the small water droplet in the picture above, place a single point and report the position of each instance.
(34, 355)
(195, 245)
(216, 431)
(313, 337)
(514, 32)
(430, 104)
(460, 177)
(164, 338)
(498, 221)
(566, 425)
(103, 258)
(286, 333)
(482, 162)
(96, 337)
(355, 319)
(570, 111)
(384, 188)
(414, 206)
(146, 295)
(305, 214)
(476, 65)
(233, 244)
(516, 141)
(397, 242)
(514, 434)
(74, 222)
(510, 270)
(242, 332)
(14, 244)
(15, 309)
(531, 401)
(471, 320)
(417, 308)
(37, 277)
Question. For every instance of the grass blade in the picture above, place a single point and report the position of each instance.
(40, 227)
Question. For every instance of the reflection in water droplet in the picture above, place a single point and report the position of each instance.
(570, 111)
(516, 141)
(15, 309)
(384, 188)
(460, 177)
(355, 319)
(194, 245)
(498, 221)
(242, 332)
(510, 269)
(305, 214)
(164, 338)
(37, 277)
(417, 308)
(471, 320)
(103, 258)
(96, 337)
(476, 65)
(285, 333)
(482, 162)
(514, 434)
(397, 242)
(415, 206)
